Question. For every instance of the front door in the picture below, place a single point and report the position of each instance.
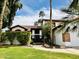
(36, 37)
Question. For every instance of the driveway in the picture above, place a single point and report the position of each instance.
(65, 50)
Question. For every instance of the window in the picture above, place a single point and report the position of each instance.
(37, 31)
(66, 37)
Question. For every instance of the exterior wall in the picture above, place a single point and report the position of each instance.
(44, 22)
(74, 39)
(58, 38)
(16, 28)
(58, 23)
(39, 24)
(15, 42)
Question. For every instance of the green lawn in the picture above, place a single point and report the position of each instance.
(29, 53)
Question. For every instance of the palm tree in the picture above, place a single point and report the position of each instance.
(52, 24)
(14, 6)
(74, 4)
(2, 14)
(41, 14)
(72, 10)
(73, 7)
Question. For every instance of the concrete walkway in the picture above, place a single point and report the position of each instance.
(66, 50)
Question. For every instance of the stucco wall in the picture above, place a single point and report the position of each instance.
(16, 28)
(15, 42)
(74, 39)
(58, 38)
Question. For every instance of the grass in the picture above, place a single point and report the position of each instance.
(29, 53)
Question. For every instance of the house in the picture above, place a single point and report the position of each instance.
(69, 38)
(36, 31)
(62, 38)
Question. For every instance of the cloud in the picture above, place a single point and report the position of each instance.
(56, 14)
(24, 20)
(30, 19)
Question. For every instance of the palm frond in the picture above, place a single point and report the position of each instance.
(18, 5)
(73, 8)
(66, 26)
(41, 14)
(74, 4)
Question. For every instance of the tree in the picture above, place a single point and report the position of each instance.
(74, 4)
(8, 16)
(73, 8)
(8, 10)
(52, 24)
(2, 13)
(46, 33)
(41, 14)
(14, 6)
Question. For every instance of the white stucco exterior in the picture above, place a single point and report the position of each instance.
(74, 39)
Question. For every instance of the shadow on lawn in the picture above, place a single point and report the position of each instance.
(8, 46)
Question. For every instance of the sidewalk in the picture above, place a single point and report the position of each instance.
(66, 50)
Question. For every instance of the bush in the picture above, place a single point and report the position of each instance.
(22, 37)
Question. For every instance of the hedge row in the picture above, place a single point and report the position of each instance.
(22, 37)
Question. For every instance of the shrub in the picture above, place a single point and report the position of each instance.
(29, 40)
(22, 37)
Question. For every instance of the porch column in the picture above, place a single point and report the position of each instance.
(33, 33)
(40, 33)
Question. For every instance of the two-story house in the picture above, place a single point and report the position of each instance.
(68, 39)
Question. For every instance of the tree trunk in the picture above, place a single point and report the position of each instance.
(2, 15)
(51, 23)
(51, 26)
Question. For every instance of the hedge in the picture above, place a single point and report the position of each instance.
(22, 37)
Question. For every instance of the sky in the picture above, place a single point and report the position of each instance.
(31, 8)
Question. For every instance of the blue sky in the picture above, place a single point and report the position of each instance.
(31, 8)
